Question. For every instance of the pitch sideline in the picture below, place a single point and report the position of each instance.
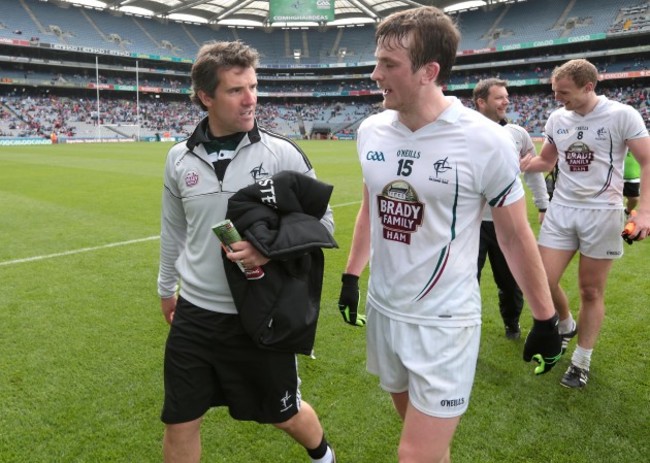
(77, 251)
(106, 246)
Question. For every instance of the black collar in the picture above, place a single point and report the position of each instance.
(200, 136)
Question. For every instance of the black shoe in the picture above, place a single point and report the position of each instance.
(513, 331)
(575, 377)
(567, 337)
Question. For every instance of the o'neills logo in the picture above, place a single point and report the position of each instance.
(450, 403)
(400, 211)
(579, 157)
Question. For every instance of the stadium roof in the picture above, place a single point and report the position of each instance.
(256, 12)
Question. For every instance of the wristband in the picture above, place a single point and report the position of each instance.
(348, 278)
(546, 325)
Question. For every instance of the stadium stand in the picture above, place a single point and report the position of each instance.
(66, 26)
(53, 59)
(514, 25)
(632, 18)
(594, 16)
(476, 26)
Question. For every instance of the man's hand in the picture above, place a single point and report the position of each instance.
(524, 161)
(544, 344)
(168, 307)
(349, 300)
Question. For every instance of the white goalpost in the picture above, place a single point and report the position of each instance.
(117, 132)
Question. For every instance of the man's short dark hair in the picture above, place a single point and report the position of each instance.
(218, 55)
(434, 37)
(482, 89)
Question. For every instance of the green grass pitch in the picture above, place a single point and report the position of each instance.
(81, 335)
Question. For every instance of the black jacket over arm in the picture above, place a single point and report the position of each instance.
(281, 216)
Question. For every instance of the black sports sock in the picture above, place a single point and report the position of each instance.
(320, 451)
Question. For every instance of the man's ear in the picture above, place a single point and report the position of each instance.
(205, 98)
(431, 72)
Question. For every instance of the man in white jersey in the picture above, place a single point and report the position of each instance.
(429, 166)
(491, 99)
(588, 138)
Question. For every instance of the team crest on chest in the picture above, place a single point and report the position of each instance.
(601, 134)
(191, 178)
(400, 211)
(258, 172)
(440, 167)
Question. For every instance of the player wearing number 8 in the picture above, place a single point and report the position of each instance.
(589, 137)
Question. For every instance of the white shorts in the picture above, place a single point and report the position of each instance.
(436, 365)
(596, 233)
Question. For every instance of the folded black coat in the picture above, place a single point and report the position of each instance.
(281, 216)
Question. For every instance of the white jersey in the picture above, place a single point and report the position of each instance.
(591, 153)
(426, 192)
(534, 180)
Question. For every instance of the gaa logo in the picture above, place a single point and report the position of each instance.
(191, 178)
(375, 156)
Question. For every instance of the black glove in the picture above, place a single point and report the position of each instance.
(349, 300)
(544, 344)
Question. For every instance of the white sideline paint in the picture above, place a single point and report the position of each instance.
(106, 246)
(77, 251)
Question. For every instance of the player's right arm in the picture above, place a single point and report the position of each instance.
(360, 249)
(640, 148)
(544, 162)
(357, 261)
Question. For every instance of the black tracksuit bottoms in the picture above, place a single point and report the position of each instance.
(511, 299)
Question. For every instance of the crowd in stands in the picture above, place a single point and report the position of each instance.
(39, 112)
(270, 83)
(34, 116)
(38, 115)
(481, 27)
